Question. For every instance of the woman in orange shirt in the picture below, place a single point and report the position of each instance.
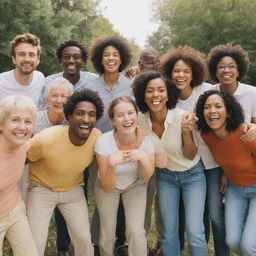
(220, 119)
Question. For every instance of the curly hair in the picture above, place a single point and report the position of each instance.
(191, 57)
(140, 85)
(75, 43)
(233, 108)
(116, 41)
(84, 95)
(223, 50)
(25, 38)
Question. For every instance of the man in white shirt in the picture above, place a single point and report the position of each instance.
(24, 79)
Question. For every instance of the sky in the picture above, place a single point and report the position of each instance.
(131, 18)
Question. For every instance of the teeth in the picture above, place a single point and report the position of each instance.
(127, 125)
(156, 102)
(20, 134)
(181, 80)
(84, 126)
(213, 118)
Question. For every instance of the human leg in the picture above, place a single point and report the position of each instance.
(193, 187)
(134, 201)
(236, 208)
(73, 206)
(40, 206)
(215, 207)
(107, 204)
(248, 242)
(19, 234)
(168, 195)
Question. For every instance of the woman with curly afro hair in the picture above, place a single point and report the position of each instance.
(180, 171)
(110, 55)
(227, 66)
(220, 119)
(187, 69)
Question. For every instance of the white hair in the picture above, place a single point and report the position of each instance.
(7, 104)
(56, 83)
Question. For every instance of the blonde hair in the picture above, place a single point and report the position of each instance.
(7, 104)
(56, 83)
(118, 100)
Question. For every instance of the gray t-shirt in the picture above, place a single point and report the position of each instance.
(121, 88)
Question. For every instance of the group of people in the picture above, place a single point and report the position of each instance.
(155, 134)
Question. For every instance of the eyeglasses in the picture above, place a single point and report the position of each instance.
(230, 67)
(69, 56)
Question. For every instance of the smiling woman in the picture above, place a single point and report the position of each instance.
(125, 159)
(220, 118)
(17, 118)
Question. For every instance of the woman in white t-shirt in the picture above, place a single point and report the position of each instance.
(125, 158)
(186, 68)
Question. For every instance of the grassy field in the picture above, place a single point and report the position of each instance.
(51, 246)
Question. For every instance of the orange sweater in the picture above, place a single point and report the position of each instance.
(234, 156)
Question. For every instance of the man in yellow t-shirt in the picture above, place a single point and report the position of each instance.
(59, 156)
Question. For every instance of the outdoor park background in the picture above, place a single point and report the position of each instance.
(201, 24)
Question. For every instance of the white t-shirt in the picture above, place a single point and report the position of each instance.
(9, 85)
(127, 173)
(189, 105)
(246, 95)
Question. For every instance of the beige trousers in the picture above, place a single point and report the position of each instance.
(14, 226)
(134, 201)
(72, 204)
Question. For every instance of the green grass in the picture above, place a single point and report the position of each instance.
(51, 245)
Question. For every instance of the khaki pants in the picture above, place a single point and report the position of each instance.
(134, 201)
(15, 227)
(72, 204)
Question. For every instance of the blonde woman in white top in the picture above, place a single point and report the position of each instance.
(125, 159)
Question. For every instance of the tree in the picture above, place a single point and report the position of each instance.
(53, 21)
(204, 24)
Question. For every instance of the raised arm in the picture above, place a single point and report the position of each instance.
(189, 148)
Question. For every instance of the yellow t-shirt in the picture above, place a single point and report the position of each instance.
(56, 162)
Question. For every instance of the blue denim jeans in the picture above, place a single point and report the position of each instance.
(215, 207)
(192, 186)
(240, 219)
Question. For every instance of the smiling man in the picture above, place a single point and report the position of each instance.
(24, 79)
(72, 56)
(59, 155)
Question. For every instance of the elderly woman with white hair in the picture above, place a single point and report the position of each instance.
(56, 94)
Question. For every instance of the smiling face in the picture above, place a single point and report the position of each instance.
(215, 114)
(227, 72)
(182, 75)
(57, 97)
(125, 117)
(26, 58)
(111, 59)
(17, 127)
(81, 122)
(156, 95)
(71, 60)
